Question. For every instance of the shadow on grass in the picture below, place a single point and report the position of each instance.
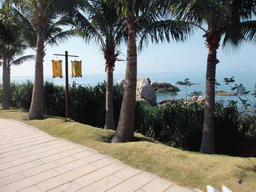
(108, 138)
(138, 139)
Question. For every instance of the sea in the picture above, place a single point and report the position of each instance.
(246, 78)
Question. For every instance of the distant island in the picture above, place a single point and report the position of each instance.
(224, 93)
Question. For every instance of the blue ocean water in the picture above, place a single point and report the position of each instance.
(248, 79)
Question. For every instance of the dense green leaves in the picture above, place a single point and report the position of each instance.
(175, 125)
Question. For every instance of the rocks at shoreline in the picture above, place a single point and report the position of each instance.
(146, 90)
(163, 87)
(169, 101)
(224, 93)
(192, 100)
(187, 101)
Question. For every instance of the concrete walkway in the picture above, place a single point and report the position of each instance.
(33, 161)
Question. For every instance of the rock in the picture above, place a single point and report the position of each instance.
(144, 91)
(188, 101)
(170, 100)
(201, 100)
(224, 93)
(145, 102)
(121, 82)
(192, 100)
(163, 87)
(160, 90)
(160, 84)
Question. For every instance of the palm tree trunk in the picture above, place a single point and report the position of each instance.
(6, 85)
(125, 128)
(36, 108)
(109, 122)
(207, 145)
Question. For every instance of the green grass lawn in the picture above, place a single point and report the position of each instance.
(188, 169)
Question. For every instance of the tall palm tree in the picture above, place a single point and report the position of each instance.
(11, 45)
(103, 24)
(142, 19)
(43, 18)
(223, 18)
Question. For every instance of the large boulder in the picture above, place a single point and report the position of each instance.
(163, 87)
(121, 82)
(160, 84)
(191, 100)
(144, 91)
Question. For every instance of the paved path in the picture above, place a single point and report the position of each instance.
(33, 161)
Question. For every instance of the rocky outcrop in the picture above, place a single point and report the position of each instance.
(224, 93)
(144, 91)
(188, 101)
(192, 100)
(169, 101)
(163, 87)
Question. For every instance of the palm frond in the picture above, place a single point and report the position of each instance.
(60, 37)
(86, 29)
(249, 29)
(198, 11)
(164, 30)
(26, 26)
(22, 59)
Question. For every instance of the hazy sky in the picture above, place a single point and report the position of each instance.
(190, 55)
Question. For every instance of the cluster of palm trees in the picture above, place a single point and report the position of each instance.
(37, 23)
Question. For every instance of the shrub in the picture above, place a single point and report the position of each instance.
(175, 125)
(88, 104)
(55, 99)
(21, 94)
(227, 128)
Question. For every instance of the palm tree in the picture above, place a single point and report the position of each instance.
(223, 18)
(141, 16)
(11, 45)
(42, 19)
(103, 24)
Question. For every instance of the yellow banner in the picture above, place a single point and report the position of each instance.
(76, 68)
(57, 68)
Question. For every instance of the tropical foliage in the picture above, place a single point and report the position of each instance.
(42, 20)
(103, 24)
(12, 44)
(222, 18)
(143, 19)
(176, 125)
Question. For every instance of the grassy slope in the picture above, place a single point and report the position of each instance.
(188, 169)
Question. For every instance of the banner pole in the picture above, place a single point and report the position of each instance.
(67, 107)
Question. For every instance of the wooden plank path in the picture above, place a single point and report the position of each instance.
(33, 161)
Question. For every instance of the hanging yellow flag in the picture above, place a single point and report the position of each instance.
(57, 68)
(76, 68)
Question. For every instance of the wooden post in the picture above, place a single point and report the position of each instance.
(67, 107)
(66, 94)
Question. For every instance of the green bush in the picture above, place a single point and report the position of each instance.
(1, 95)
(87, 103)
(227, 128)
(21, 94)
(175, 125)
(55, 99)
